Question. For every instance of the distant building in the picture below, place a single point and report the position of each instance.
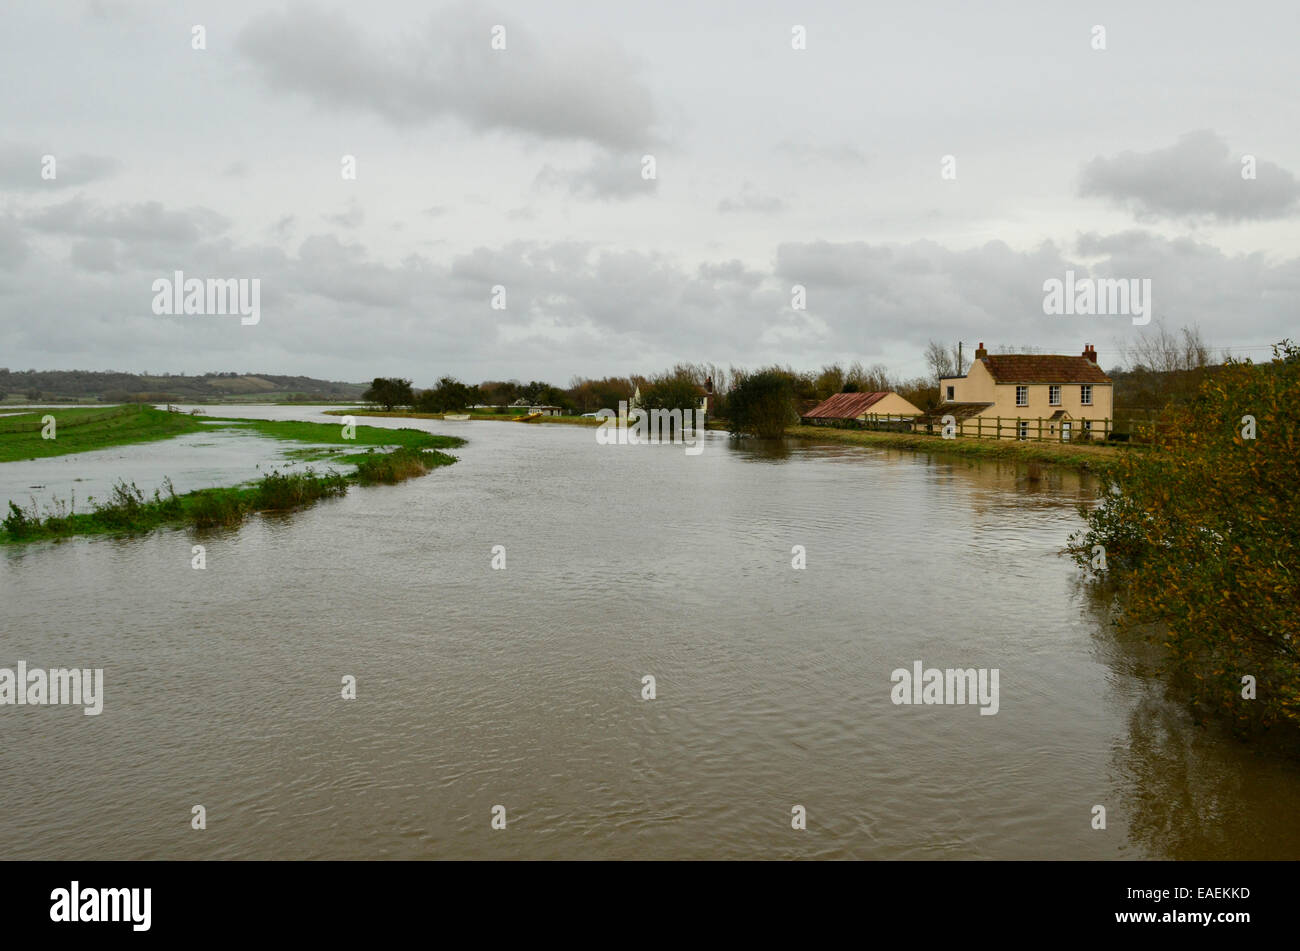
(860, 407)
(1017, 395)
(707, 398)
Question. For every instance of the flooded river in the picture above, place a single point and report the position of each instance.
(522, 687)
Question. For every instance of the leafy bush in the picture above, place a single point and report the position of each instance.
(19, 523)
(762, 404)
(217, 507)
(404, 463)
(123, 508)
(278, 490)
(1201, 534)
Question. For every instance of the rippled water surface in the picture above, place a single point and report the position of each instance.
(522, 687)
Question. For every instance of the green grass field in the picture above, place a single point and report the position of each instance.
(88, 428)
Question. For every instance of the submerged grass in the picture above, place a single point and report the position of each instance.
(332, 434)
(128, 510)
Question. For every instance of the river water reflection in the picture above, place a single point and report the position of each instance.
(522, 687)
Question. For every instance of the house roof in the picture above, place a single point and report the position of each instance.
(845, 406)
(1043, 368)
(958, 411)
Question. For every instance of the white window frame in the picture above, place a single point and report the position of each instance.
(1085, 394)
(1054, 394)
(1022, 391)
(951, 391)
(1087, 427)
(1022, 431)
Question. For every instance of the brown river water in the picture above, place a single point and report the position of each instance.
(522, 687)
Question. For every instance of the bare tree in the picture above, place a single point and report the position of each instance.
(1160, 349)
(939, 360)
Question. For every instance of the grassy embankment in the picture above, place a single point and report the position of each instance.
(1075, 454)
(409, 453)
(83, 430)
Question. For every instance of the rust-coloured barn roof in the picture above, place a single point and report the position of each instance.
(845, 406)
(1043, 368)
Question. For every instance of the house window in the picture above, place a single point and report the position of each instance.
(1085, 394)
(1024, 429)
(1022, 396)
(950, 393)
(1087, 427)
(1054, 395)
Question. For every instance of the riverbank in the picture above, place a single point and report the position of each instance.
(127, 510)
(473, 417)
(1076, 455)
(29, 436)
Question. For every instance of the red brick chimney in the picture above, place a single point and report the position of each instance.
(1089, 352)
(980, 352)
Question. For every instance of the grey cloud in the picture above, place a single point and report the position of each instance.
(575, 306)
(1197, 176)
(283, 227)
(805, 153)
(146, 221)
(730, 271)
(750, 201)
(13, 246)
(610, 176)
(548, 88)
(342, 273)
(95, 254)
(21, 167)
(907, 293)
(352, 218)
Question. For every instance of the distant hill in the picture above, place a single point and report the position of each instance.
(82, 386)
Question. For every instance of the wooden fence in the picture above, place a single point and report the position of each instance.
(1025, 428)
(1137, 426)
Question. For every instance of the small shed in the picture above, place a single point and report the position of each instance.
(849, 408)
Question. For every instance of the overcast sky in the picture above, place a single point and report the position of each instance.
(522, 167)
